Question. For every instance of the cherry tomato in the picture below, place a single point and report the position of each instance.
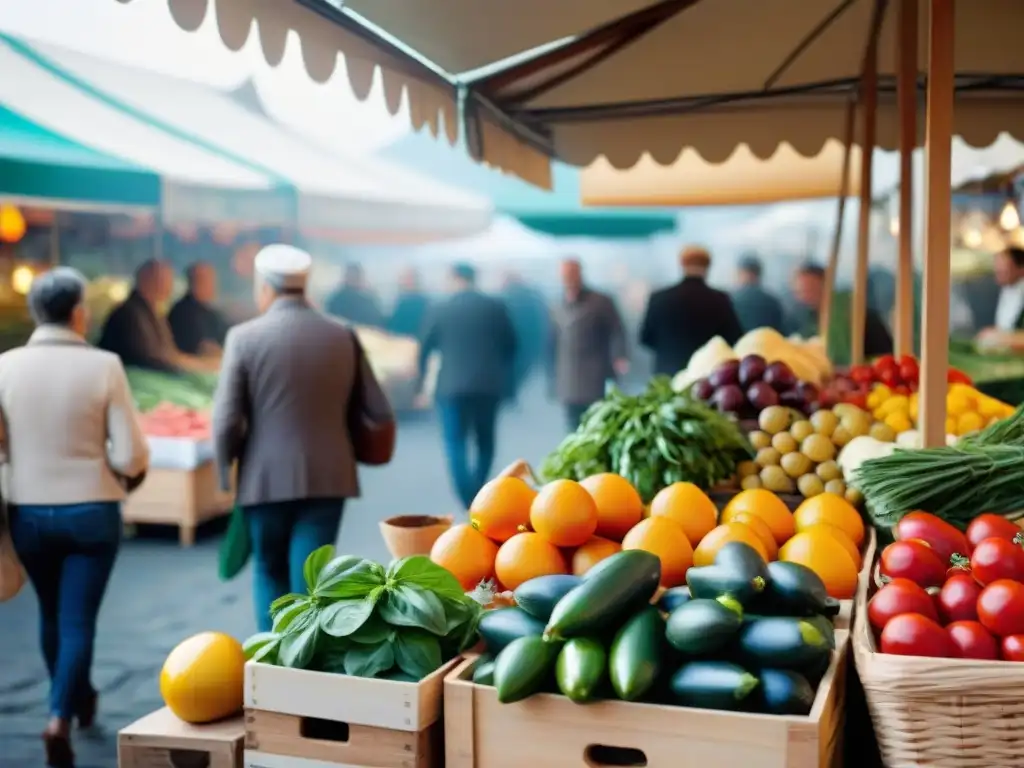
(858, 399)
(897, 597)
(995, 559)
(933, 531)
(889, 376)
(913, 560)
(910, 634)
(954, 376)
(901, 389)
(1012, 648)
(907, 360)
(862, 374)
(1001, 608)
(909, 371)
(884, 362)
(958, 599)
(989, 526)
(958, 565)
(970, 640)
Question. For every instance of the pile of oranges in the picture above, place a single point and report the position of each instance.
(516, 533)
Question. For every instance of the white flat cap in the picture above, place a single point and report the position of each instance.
(284, 266)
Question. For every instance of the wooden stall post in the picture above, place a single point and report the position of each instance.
(906, 88)
(938, 150)
(825, 314)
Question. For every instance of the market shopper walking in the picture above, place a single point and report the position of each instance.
(476, 341)
(588, 344)
(281, 414)
(755, 307)
(72, 445)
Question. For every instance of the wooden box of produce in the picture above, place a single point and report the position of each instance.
(161, 739)
(179, 497)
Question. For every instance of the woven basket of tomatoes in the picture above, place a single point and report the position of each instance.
(938, 642)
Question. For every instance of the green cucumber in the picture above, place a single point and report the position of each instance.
(539, 596)
(711, 581)
(501, 626)
(712, 685)
(673, 598)
(704, 626)
(794, 590)
(483, 672)
(782, 642)
(636, 654)
(580, 669)
(523, 668)
(626, 583)
(822, 623)
(782, 692)
(742, 558)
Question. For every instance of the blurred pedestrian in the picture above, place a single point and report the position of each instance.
(476, 341)
(72, 445)
(411, 306)
(137, 330)
(354, 301)
(198, 326)
(1008, 330)
(682, 318)
(588, 344)
(755, 307)
(281, 413)
(530, 318)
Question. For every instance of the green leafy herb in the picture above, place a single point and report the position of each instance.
(296, 649)
(421, 571)
(262, 647)
(369, 660)
(410, 606)
(315, 564)
(417, 653)
(344, 617)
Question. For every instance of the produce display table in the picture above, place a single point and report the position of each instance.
(181, 497)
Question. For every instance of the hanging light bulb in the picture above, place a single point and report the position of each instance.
(12, 224)
(21, 279)
(894, 226)
(972, 238)
(1009, 218)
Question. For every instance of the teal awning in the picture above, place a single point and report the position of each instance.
(557, 212)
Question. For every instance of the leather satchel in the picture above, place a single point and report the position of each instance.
(12, 575)
(371, 420)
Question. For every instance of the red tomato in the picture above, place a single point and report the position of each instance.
(989, 526)
(858, 399)
(958, 565)
(958, 599)
(908, 370)
(1012, 648)
(900, 389)
(913, 560)
(933, 531)
(1001, 608)
(953, 376)
(862, 374)
(897, 597)
(889, 376)
(884, 362)
(907, 360)
(912, 635)
(995, 559)
(970, 640)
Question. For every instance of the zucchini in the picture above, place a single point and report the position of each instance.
(539, 596)
(704, 626)
(711, 581)
(581, 668)
(674, 597)
(501, 626)
(483, 672)
(822, 623)
(782, 642)
(636, 654)
(712, 685)
(626, 583)
(523, 668)
(782, 692)
(742, 558)
(794, 590)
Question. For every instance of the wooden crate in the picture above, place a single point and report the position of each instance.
(302, 719)
(181, 497)
(161, 740)
(550, 730)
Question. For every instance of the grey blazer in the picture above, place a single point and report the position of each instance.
(587, 337)
(281, 407)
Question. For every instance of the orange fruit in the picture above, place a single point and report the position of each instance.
(689, 506)
(467, 553)
(760, 527)
(662, 537)
(834, 510)
(708, 548)
(564, 513)
(592, 553)
(619, 506)
(826, 556)
(767, 506)
(502, 508)
(203, 678)
(839, 535)
(526, 556)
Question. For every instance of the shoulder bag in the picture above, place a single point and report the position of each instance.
(12, 575)
(371, 421)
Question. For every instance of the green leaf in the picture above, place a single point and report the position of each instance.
(284, 601)
(297, 648)
(417, 653)
(315, 563)
(334, 661)
(459, 612)
(293, 617)
(268, 654)
(369, 660)
(337, 570)
(344, 617)
(258, 642)
(421, 571)
(375, 630)
(409, 606)
(357, 582)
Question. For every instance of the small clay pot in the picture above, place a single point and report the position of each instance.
(407, 535)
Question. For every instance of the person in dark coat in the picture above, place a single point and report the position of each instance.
(354, 301)
(682, 318)
(755, 307)
(529, 314)
(198, 327)
(411, 306)
(473, 334)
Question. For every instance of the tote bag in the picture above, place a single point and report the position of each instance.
(235, 547)
(12, 575)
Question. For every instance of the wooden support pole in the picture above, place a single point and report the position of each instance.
(825, 312)
(906, 88)
(938, 149)
(869, 106)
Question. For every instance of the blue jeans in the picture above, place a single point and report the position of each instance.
(68, 552)
(283, 534)
(464, 417)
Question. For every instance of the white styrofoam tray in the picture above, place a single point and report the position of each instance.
(178, 452)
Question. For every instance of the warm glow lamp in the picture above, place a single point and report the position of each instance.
(12, 224)
(21, 279)
(1009, 218)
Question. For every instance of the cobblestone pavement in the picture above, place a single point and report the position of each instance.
(161, 594)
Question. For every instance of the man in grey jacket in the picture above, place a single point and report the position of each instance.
(588, 344)
(281, 412)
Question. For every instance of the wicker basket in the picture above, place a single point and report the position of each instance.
(941, 713)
